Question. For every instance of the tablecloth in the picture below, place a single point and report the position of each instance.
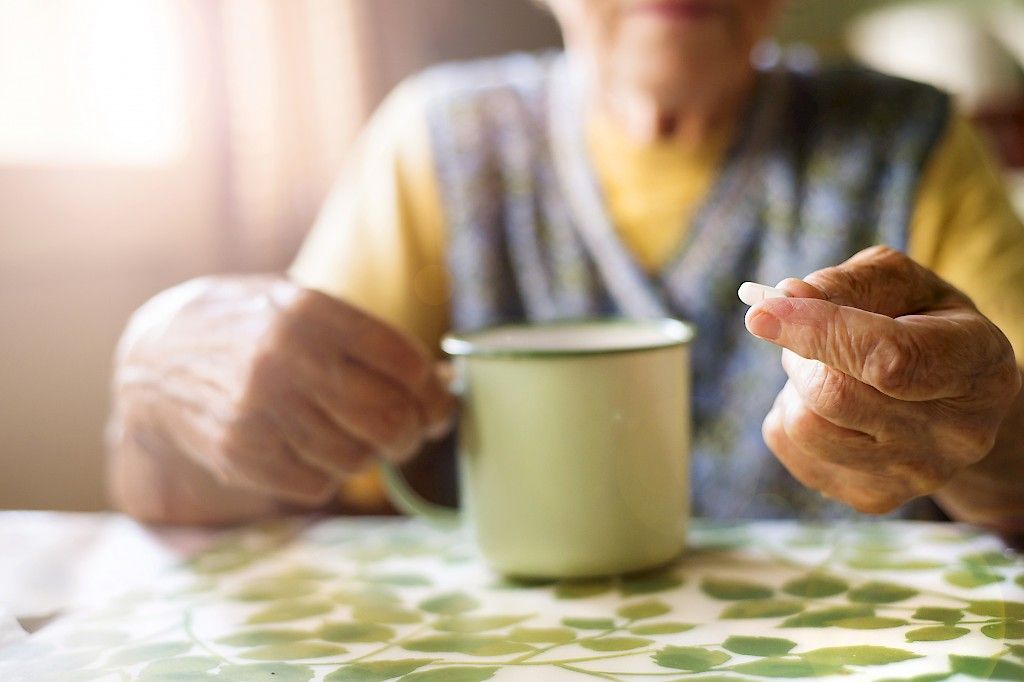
(379, 599)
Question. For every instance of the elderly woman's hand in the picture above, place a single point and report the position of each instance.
(272, 388)
(896, 381)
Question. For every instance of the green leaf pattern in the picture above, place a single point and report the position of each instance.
(347, 600)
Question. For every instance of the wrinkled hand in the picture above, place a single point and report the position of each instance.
(896, 381)
(273, 388)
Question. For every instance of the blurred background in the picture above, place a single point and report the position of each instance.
(143, 142)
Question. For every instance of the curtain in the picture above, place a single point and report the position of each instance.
(296, 80)
(289, 93)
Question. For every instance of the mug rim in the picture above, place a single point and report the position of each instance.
(466, 344)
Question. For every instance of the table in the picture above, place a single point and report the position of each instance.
(341, 599)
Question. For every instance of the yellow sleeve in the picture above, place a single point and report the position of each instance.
(965, 229)
(379, 240)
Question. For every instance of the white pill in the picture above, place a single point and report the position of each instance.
(752, 292)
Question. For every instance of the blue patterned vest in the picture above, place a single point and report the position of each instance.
(823, 166)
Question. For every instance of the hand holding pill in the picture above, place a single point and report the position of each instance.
(897, 384)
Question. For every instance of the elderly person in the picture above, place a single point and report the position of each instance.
(647, 171)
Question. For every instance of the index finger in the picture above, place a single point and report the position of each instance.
(874, 349)
(365, 339)
(885, 281)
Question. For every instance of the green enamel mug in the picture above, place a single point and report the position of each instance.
(574, 444)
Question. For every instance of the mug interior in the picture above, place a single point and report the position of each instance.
(571, 338)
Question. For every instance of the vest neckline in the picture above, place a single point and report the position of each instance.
(720, 224)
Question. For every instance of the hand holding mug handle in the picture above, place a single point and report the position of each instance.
(401, 494)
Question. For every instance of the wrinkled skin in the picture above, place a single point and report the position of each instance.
(265, 394)
(897, 383)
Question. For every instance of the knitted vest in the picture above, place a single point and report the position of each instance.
(823, 166)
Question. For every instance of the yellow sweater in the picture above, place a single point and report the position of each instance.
(380, 240)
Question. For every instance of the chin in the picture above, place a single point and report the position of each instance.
(663, 59)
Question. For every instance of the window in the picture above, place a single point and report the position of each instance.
(91, 82)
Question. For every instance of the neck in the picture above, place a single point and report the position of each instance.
(648, 116)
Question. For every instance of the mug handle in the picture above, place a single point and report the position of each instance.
(408, 500)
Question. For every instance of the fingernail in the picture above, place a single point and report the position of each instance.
(764, 325)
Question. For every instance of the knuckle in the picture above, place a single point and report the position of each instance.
(886, 262)
(981, 441)
(267, 365)
(852, 282)
(856, 282)
(229, 442)
(891, 365)
(295, 303)
(802, 427)
(883, 253)
(269, 362)
(294, 320)
(283, 330)
(836, 282)
(790, 282)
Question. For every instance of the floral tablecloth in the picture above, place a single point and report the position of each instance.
(372, 600)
